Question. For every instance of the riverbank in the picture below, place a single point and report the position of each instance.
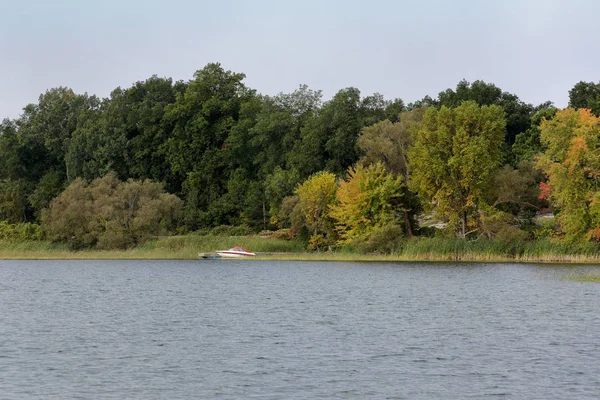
(422, 249)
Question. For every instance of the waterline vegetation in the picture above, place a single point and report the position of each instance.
(416, 249)
(584, 278)
(464, 176)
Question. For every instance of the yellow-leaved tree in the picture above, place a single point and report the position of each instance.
(368, 200)
(316, 196)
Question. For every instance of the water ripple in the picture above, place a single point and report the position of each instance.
(293, 330)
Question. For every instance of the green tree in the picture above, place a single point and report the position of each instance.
(279, 185)
(13, 201)
(95, 148)
(513, 203)
(585, 95)
(46, 189)
(266, 132)
(329, 140)
(453, 161)
(342, 118)
(202, 119)
(517, 187)
(389, 143)
(12, 154)
(48, 126)
(518, 113)
(527, 144)
(126, 134)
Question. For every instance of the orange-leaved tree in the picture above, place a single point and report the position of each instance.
(572, 163)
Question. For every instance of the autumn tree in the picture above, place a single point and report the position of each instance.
(316, 197)
(453, 161)
(572, 163)
(367, 201)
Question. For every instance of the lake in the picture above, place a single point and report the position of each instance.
(221, 329)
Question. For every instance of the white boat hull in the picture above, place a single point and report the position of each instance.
(234, 254)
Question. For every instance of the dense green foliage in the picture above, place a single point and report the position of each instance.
(453, 161)
(108, 213)
(464, 161)
(21, 232)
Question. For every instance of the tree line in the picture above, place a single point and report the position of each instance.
(352, 169)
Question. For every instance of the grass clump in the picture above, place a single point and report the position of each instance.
(584, 278)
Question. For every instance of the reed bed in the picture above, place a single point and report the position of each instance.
(584, 278)
(173, 247)
(418, 249)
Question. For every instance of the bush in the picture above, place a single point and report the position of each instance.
(111, 214)
(499, 225)
(386, 239)
(229, 230)
(23, 232)
(547, 230)
(285, 234)
(319, 242)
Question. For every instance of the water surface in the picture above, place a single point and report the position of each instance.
(296, 330)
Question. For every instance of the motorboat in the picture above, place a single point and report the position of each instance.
(236, 251)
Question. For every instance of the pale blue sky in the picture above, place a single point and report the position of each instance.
(537, 49)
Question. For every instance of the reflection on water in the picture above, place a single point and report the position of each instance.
(296, 330)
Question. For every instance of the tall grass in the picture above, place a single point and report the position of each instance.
(194, 244)
(496, 250)
(175, 247)
(583, 278)
(426, 249)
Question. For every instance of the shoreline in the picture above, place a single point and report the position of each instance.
(294, 256)
(188, 247)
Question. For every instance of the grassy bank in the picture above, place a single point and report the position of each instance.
(422, 249)
(175, 247)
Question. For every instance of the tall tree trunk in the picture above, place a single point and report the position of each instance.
(407, 224)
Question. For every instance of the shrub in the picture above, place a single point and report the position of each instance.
(285, 234)
(386, 239)
(319, 242)
(22, 232)
(230, 230)
(499, 225)
(108, 213)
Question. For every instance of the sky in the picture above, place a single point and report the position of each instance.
(536, 49)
